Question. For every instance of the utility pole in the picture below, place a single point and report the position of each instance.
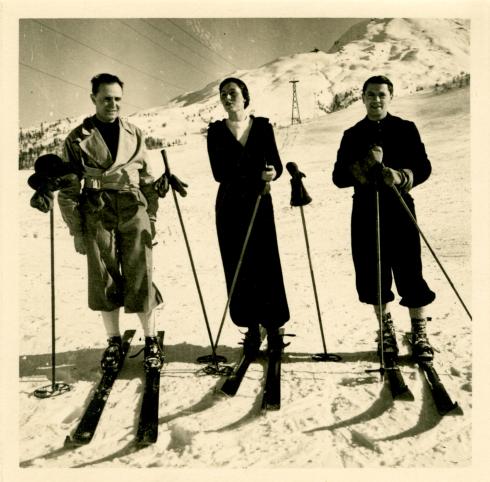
(295, 118)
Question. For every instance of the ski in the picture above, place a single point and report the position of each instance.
(148, 420)
(271, 399)
(442, 400)
(90, 419)
(234, 379)
(398, 387)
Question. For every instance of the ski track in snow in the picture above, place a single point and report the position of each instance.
(333, 415)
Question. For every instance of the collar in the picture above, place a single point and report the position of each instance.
(88, 126)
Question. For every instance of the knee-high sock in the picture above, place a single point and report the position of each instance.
(385, 307)
(148, 323)
(111, 322)
(417, 313)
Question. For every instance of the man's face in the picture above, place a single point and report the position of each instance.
(376, 98)
(107, 102)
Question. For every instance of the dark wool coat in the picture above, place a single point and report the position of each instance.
(259, 295)
(400, 241)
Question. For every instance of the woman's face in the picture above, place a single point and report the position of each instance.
(232, 98)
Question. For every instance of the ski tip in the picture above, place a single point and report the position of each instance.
(228, 390)
(145, 442)
(406, 396)
(455, 410)
(73, 443)
(271, 407)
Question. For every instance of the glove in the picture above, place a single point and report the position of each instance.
(178, 185)
(366, 171)
(391, 177)
(375, 154)
(42, 200)
(299, 195)
(153, 229)
(162, 185)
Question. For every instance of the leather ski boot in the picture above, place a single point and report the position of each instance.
(252, 341)
(111, 358)
(390, 347)
(421, 348)
(153, 354)
(275, 343)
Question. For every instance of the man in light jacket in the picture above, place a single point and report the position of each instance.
(111, 213)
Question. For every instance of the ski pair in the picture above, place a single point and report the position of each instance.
(148, 420)
(271, 399)
(400, 390)
(442, 400)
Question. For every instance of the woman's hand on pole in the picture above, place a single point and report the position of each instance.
(269, 174)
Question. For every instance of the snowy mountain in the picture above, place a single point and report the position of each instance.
(417, 54)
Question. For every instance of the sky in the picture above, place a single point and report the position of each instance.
(157, 58)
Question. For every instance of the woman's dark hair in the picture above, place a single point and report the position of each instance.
(378, 79)
(240, 84)
(105, 79)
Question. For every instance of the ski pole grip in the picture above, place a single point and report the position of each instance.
(292, 168)
(165, 161)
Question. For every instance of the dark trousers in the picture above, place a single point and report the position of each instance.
(400, 251)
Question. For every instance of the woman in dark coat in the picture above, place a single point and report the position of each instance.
(244, 160)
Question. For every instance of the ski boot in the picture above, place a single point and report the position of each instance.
(390, 347)
(153, 354)
(111, 358)
(421, 348)
(252, 341)
(275, 342)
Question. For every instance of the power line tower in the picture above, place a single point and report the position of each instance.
(295, 118)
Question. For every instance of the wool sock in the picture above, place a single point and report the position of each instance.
(148, 323)
(111, 322)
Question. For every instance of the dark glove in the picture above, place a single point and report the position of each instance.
(50, 174)
(42, 200)
(178, 185)
(299, 195)
(162, 185)
(367, 170)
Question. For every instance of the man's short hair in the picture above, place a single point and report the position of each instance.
(99, 79)
(378, 79)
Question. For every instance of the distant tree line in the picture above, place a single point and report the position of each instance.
(457, 82)
(28, 153)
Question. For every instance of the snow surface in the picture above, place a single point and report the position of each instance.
(333, 415)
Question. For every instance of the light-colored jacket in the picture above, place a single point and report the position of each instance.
(89, 157)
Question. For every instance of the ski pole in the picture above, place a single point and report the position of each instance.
(381, 368)
(299, 197)
(215, 358)
(55, 388)
(50, 174)
(412, 217)
(378, 284)
(240, 259)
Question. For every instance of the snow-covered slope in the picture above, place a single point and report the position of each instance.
(333, 415)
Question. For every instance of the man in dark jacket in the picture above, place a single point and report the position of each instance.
(383, 152)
